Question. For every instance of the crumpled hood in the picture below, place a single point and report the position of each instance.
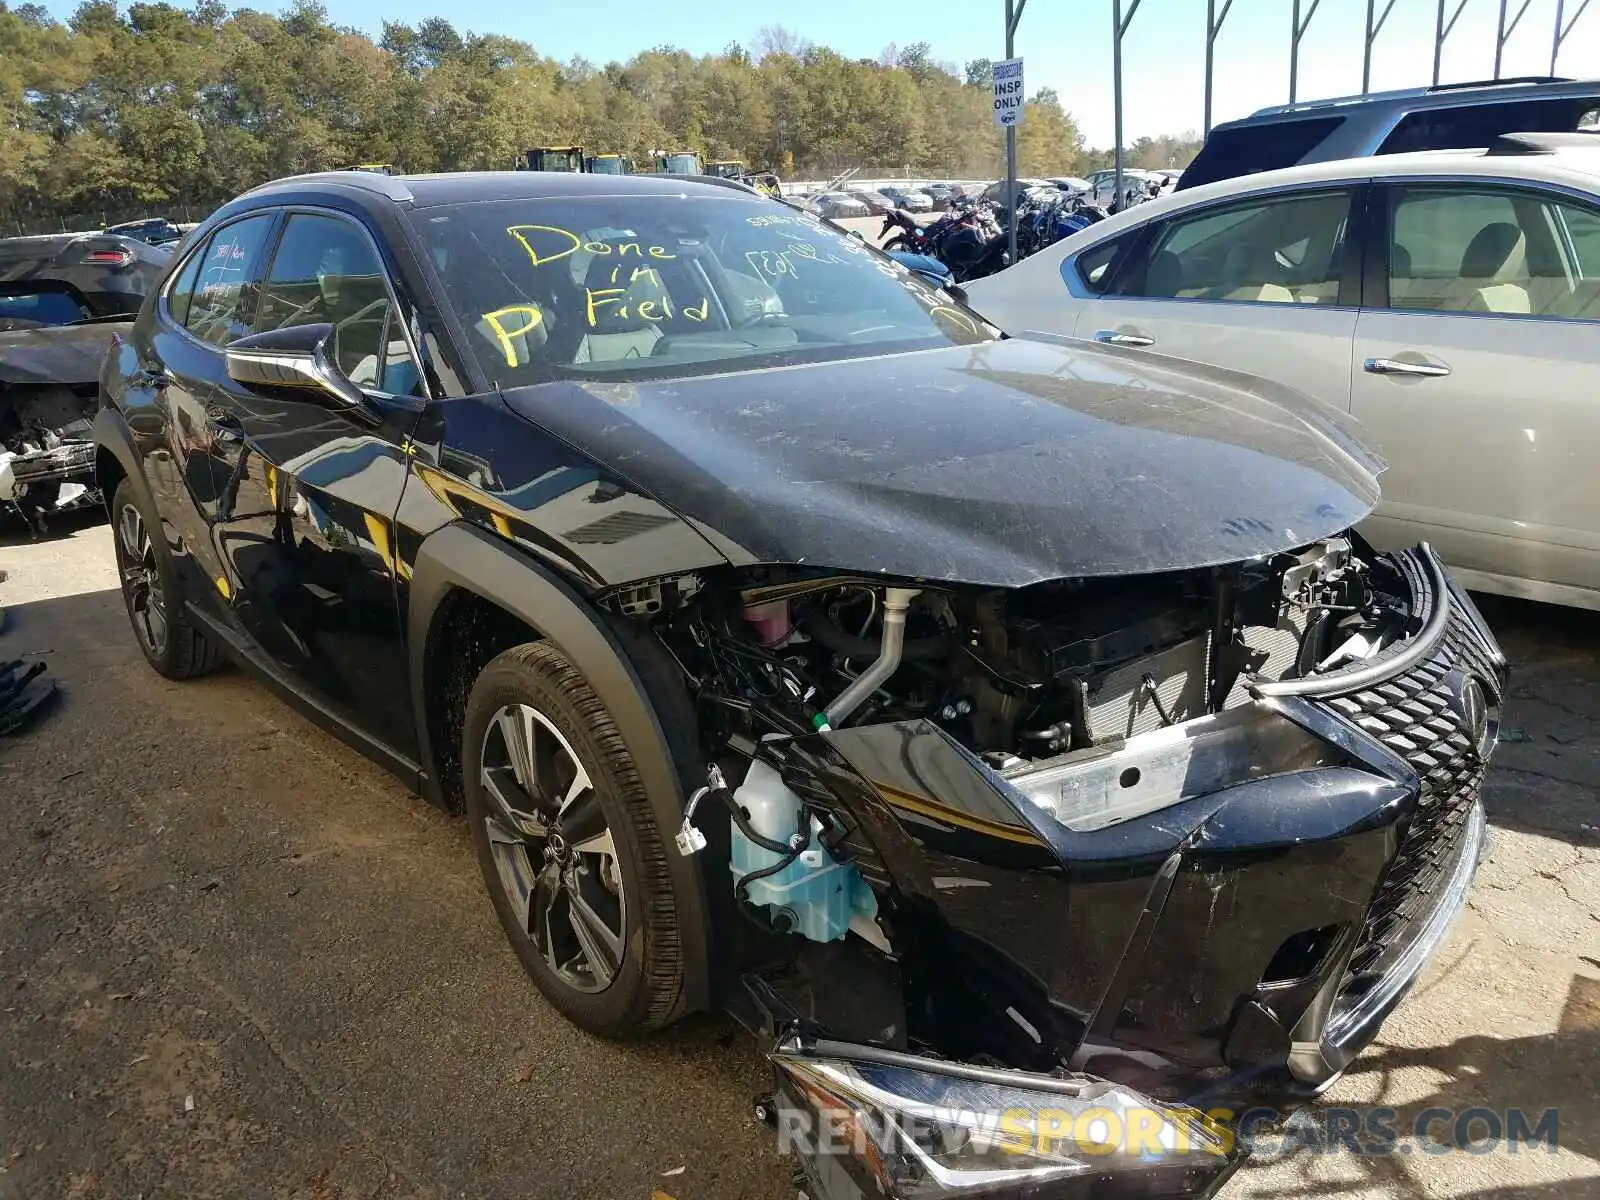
(1001, 464)
(57, 353)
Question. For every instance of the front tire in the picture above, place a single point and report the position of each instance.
(169, 642)
(575, 865)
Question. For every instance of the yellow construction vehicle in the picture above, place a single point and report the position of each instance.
(732, 168)
(553, 158)
(684, 162)
(608, 164)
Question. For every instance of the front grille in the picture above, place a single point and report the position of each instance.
(1415, 714)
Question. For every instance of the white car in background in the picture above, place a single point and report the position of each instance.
(1449, 300)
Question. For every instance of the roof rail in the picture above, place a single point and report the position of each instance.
(1510, 144)
(392, 186)
(1508, 79)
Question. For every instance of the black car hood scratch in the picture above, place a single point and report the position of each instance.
(1001, 464)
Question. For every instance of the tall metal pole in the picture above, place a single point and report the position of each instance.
(1297, 34)
(1374, 28)
(1116, 102)
(1499, 39)
(1011, 154)
(1438, 43)
(1013, 15)
(1563, 30)
(1213, 27)
(1441, 31)
(1503, 32)
(1119, 27)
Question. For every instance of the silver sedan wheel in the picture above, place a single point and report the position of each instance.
(141, 581)
(553, 850)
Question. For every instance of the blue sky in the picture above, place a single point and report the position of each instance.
(1066, 44)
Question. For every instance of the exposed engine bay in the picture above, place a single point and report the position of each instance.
(1042, 671)
(1062, 688)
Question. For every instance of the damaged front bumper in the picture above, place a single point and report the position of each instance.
(867, 1122)
(1233, 948)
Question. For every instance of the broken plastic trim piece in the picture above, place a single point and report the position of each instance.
(871, 1122)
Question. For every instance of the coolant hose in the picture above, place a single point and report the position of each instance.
(895, 603)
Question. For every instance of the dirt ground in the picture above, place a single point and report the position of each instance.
(237, 960)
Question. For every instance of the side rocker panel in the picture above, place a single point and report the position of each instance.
(461, 556)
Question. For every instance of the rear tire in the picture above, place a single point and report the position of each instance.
(575, 865)
(169, 642)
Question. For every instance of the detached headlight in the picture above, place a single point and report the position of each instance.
(1091, 789)
(877, 1122)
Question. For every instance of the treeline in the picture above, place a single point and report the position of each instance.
(159, 106)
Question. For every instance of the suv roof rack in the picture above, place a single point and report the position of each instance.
(1508, 79)
(1466, 85)
(1543, 143)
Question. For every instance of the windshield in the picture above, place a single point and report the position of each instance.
(683, 164)
(605, 165)
(650, 286)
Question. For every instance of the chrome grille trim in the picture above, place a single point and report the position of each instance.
(1432, 588)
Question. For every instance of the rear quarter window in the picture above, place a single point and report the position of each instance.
(1472, 126)
(1247, 149)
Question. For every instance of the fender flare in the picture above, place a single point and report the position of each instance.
(112, 435)
(465, 557)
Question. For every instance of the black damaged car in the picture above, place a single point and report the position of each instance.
(62, 299)
(1013, 733)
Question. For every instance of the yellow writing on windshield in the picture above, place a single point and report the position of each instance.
(531, 317)
(551, 243)
(601, 303)
(554, 242)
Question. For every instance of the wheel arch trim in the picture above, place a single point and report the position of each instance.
(112, 436)
(460, 556)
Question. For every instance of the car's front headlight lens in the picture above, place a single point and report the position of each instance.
(907, 1127)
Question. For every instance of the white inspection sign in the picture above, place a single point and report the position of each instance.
(1008, 92)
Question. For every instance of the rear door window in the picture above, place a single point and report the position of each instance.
(1284, 250)
(225, 294)
(1509, 252)
(1473, 126)
(1230, 153)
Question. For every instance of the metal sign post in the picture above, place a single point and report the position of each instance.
(1009, 117)
(1119, 29)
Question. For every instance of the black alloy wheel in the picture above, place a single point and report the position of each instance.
(575, 865)
(169, 641)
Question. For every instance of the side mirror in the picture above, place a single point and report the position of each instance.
(295, 358)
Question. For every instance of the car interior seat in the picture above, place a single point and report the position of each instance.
(1494, 271)
(1246, 276)
(1164, 275)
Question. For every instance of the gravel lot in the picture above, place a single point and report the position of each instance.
(237, 960)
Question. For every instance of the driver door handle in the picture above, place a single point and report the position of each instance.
(1114, 337)
(1397, 366)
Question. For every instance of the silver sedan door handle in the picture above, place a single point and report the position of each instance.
(1114, 337)
(1397, 366)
